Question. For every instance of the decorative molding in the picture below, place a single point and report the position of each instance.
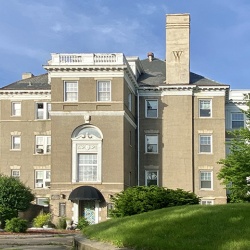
(43, 133)
(151, 131)
(48, 167)
(87, 147)
(15, 133)
(15, 167)
(205, 131)
(205, 167)
(151, 167)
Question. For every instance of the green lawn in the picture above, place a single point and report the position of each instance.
(193, 227)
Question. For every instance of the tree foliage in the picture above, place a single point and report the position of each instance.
(136, 200)
(236, 167)
(14, 197)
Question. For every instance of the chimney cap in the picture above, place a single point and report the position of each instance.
(150, 56)
(27, 75)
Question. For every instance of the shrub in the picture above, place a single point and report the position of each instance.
(42, 219)
(16, 225)
(62, 223)
(136, 200)
(7, 214)
(82, 223)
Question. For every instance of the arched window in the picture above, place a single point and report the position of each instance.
(86, 154)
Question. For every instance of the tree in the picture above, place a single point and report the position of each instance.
(14, 197)
(235, 171)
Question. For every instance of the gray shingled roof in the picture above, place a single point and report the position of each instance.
(33, 83)
(155, 75)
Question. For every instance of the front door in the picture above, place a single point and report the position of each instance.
(88, 211)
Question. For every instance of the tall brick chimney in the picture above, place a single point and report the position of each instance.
(178, 49)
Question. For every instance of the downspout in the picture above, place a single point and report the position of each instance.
(138, 138)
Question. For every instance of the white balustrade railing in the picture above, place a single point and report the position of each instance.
(88, 59)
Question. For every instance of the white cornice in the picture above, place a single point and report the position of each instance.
(94, 113)
(25, 94)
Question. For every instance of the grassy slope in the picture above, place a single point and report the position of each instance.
(195, 227)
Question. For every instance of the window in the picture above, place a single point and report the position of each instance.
(87, 167)
(16, 109)
(70, 91)
(237, 120)
(42, 110)
(130, 101)
(205, 144)
(205, 108)
(151, 143)
(86, 154)
(42, 202)
(43, 144)
(151, 108)
(16, 143)
(207, 202)
(104, 91)
(151, 177)
(15, 173)
(205, 180)
(42, 178)
(110, 207)
(62, 209)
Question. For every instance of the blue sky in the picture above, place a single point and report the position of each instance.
(31, 30)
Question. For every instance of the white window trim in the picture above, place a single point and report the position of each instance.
(46, 181)
(97, 85)
(43, 150)
(212, 184)
(146, 108)
(13, 110)
(17, 171)
(206, 201)
(146, 171)
(211, 105)
(43, 200)
(157, 145)
(46, 109)
(84, 144)
(211, 143)
(130, 101)
(64, 90)
(12, 142)
(231, 119)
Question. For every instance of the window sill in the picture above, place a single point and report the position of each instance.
(151, 153)
(15, 150)
(206, 189)
(205, 153)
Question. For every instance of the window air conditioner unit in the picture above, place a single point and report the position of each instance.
(39, 185)
(47, 184)
(39, 150)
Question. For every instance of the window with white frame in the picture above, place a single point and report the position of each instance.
(151, 177)
(87, 167)
(151, 143)
(71, 91)
(42, 201)
(205, 144)
(42, 178)
(205, 108)
(237, 120)
(207, 202)
(15, 173)
(86, 154)
(43, 144)
(130, 101)
(16, 108)
(42, 110)
(206, 180)
(16, 142)
(151, 108)
(103, 91)
(62, 209)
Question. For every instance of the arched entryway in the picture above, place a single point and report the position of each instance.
(86, 200)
